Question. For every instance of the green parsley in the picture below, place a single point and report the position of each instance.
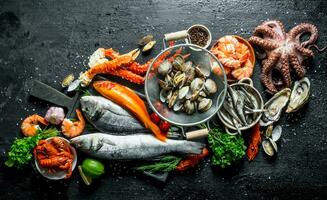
(226, 148)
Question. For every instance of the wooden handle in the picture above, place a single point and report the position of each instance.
(176, 35)
(202, 133)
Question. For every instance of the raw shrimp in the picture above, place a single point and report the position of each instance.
(243, 72)
(72, 129)
(30, 125)
(234, 56)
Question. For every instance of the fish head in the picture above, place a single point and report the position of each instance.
(87, 143)
(92, 107)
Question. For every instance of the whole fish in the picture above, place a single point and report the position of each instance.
(108, 117)
(140, 146)
(129, 100)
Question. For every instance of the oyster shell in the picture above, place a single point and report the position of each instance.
(299, 96)
(274, 107)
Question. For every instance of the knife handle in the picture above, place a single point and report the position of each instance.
(49, 94)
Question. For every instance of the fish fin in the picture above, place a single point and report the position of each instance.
(107, 141)
(96, 144)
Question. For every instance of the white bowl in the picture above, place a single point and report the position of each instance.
(58, 174)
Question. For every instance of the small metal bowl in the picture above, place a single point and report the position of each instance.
(248, 84)
(188, 40)
(59, 174)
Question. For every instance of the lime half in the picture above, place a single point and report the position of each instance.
(93, 168)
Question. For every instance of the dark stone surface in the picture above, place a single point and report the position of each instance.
(46, 40)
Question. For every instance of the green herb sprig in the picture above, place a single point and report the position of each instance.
(227, 149)
(165, 164)
(20, 152)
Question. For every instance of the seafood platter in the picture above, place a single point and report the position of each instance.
(199, 101)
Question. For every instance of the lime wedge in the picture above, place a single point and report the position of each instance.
(87, 179)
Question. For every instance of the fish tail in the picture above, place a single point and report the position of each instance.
(192, 147)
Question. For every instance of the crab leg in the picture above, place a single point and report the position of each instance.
(106, 66)
(135, 67)
(128, 75)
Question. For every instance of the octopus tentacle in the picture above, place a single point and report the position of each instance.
(285, 71)
(263, 43)
(306, 52)
(265, 31)
(295, 63)
(266, 71)
(277, 27)
(297, 31)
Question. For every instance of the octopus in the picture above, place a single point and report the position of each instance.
(283, 52)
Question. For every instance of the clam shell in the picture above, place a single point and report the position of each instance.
(269, 130)
(268, 147)
(276, 133)
(164, 68)
(197, 84)
(204, 105)
(74, 85)
(165, 95)
(210, 86)
(274, 107)
(189, 107)
(274, 145)
(178, 63)
(145, 40)
(178, 106)
(149, 46)
(67, 80)
(183, 92)
(299, 96)
(172, 99)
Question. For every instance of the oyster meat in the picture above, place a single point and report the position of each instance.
(274, 107)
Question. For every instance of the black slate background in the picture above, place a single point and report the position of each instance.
(46, 40)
